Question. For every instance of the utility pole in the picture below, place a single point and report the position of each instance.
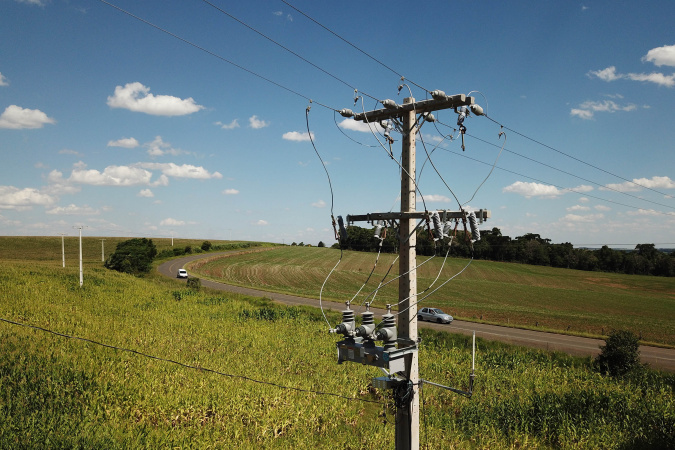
(102, 250)
(404, 360)
(63, 249)
(81, 272)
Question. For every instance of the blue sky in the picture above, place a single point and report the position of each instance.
(108, 122)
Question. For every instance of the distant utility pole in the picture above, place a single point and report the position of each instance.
(102, 250)
(63, 249)
(172, 238)
(407, 416)
(81, 272)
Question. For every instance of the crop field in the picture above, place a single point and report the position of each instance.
(186, 368)
(571, 301)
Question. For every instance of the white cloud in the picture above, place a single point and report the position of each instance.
(652, 183)
(229, 126)
(230, 192)
(584, 200)
(529, 190)
(146, 193)
(74, 210)
(354, 125)
(437, 198)
(182, 171)
(608, 74)
(319, 204)
(124, 143)
(602, 208)
(19, 199)
(661, 56)
(579, 208)
(160, 148)
(169, 222)
(136, 97)
(297, 136)
(3, 80)
(111, 176)
(588, 109)
(34, 2)
(654, 77)
(18, 118)
(256, 123)
(67, 151)
(261, 223)
(584, 219)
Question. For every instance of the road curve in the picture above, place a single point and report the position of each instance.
(658, 358)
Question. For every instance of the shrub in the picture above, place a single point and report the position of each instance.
(321, 244)
(194, 283)
(188, 249)
(620, 355)
(133, 256)
(206, 246)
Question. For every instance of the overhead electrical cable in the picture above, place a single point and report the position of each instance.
(188, 366)
(285, 48)
(353, 45)
(577, 159)
(238, 66)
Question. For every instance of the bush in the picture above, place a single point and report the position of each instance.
(620, 355)
(194, 283)
(133, 256)
(206, 246)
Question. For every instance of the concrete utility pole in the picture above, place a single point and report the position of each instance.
(81, 272)
(63, 249)
(407, 416)
(102, 250)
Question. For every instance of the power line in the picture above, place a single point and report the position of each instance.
(238, 66)
(187, 366)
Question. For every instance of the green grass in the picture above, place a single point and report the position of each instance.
(585, 303)
(63, 393)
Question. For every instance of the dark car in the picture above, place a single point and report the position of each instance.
(434, 315)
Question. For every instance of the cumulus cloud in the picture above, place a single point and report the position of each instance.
(3, 80)
(19, 199)
(256, 123)
(169, 222)
(579, 208)
(111, 176)
(74, 210)
(437, 198)
(297, 136)
(319, 204)
(530, 190)
(34, 2)
(261, 223)
(228, 126)
(146, 193)
(354, 125)
(160, 148)
(182, 171)
(587, 110)
(124, 143)
(18, 118)
(136, 97)
(583, 219)
(640, 183)
(68, 151)
(661, 56)
(230, 192)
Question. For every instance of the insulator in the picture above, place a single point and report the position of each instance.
(473, 222)
(438, 95)
(343, 230)
(429, 117)
(346, 112)
(347, 326)
(438, 229)
(367, 325)
(389, 104)
(387, 333)
(476, 109)
(378, 229)
(446, 228)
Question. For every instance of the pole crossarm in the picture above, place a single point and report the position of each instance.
(423, 106)
(481, 214)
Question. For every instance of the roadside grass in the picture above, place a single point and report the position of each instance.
(57, 392)
(536, 297)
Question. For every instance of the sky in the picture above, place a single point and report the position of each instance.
(190, 119)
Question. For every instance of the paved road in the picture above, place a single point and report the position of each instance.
(656, 357)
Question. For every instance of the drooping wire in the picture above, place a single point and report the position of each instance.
(187, 366)
(491, 169)
(348, 136)
(332, 204)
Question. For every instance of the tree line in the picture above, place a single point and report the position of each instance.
(644, 259)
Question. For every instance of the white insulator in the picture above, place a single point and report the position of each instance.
(378, 229)
(476, 109)
(346, 113)
(390, 104)
(473, 222)
(438, 228)
(438, 94)
(446, 228)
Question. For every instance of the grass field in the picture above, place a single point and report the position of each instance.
(585, 303)
(276, 368)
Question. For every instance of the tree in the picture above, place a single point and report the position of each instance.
(620, 355)
(206, 246)
(321, 244)
(133, 256)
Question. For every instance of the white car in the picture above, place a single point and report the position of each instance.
(182, 273)
(434, 315)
